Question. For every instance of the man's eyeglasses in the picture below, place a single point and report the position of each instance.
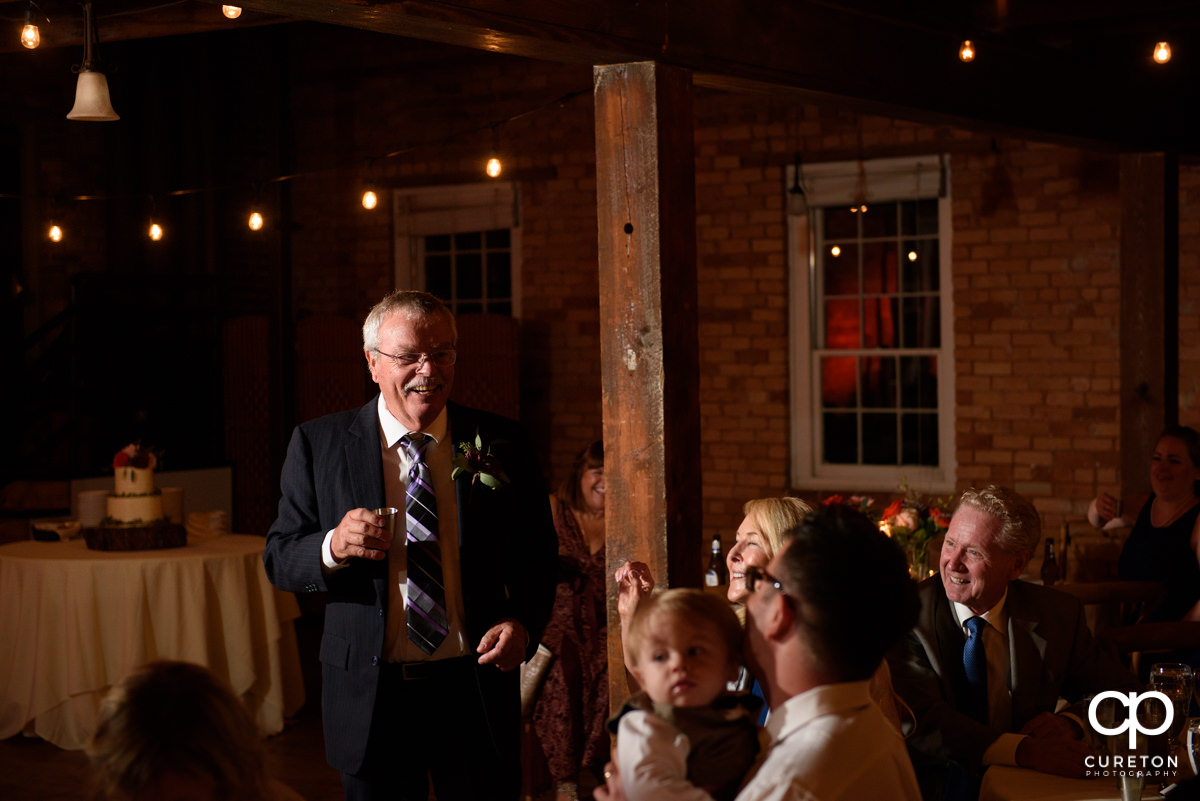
(754, 575)
(439, 358)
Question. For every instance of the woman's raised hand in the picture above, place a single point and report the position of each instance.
(634, 582)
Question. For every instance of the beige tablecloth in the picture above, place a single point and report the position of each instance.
(74, 621)
(1002, 783)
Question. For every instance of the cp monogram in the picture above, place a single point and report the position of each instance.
(1131, 701)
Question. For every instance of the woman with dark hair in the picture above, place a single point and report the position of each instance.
(1164, 544)
(571, 711)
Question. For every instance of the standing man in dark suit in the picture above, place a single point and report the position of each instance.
(423, 631)
(1035, 647)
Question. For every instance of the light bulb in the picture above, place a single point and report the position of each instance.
(912, 255)
(233, 12)
(1162, 52)
(966, 51)
(55, 234)
(30, 37)
(835, 251)
(369, 200)
(493, 167)
(156, 231)
(256, 221)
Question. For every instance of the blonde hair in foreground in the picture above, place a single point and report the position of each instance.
(696, 607)
(776, 518)
(180, 718)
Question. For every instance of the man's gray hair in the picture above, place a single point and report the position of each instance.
(1020, 524)
(411, 302)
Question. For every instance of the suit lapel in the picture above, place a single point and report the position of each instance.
(460, 427)
(1027, 649)
(364, 458)
(950, 640)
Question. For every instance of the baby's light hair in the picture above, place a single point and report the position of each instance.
(694, 606)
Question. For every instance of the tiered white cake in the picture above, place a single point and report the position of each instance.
(134, 501)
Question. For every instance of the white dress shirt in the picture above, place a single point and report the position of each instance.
(439, 456)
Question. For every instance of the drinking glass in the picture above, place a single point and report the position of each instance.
(1176, 681)
(1192, 745)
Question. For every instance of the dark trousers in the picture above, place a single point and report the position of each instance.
(431, 723)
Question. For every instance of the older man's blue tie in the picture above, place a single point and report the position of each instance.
(426, 610)
(975, 666)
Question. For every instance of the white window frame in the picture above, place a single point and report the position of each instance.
(418, 212)
(833, 184)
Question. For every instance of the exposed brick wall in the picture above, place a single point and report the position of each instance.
(1035, 247)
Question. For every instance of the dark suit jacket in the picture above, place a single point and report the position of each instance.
(507, 544)
(1051, 652)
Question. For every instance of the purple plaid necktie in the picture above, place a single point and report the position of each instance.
(427, 625)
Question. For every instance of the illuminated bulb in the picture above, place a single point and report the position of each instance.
(30, 37)
(55, 233)
(1162, 52)
(912, 255)
(854, 209)
(256, 221)
(493, 167)
(966, 51)
(156, 231)
(233, 12)
(370, 200)
(835, 251)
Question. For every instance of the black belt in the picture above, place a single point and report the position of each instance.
(433, 669)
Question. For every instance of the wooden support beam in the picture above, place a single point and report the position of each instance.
(646, 215)
(1149, 372)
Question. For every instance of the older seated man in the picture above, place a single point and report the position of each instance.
(990, 657)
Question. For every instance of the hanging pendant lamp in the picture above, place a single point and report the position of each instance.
(92, 103)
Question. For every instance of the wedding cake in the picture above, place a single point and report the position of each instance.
(135, 518)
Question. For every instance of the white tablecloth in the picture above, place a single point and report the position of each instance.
(74, 621)
(1002, 783)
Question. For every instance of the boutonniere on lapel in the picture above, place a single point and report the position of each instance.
(478, 462)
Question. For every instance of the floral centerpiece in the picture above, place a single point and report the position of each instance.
(860, 503)
(914, 521)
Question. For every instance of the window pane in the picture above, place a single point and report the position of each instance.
(841, 271)
(919, 382)
(840, 223)
(879, 267)
(469, 272)
(879, 438)
(838, 387)
(920, 265)
(878, 381)
(437, 276)
(439, 243)
(500, 308)
(922, 322)
(468, 308)
(498, 238)
(841, 324)
(919, 217)
(879, 220)
(881, 324)
(920, 436)
(468, 241)
(840, 438)
(499, 272)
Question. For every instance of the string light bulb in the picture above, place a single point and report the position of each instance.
(1162, 52)
(233, 12)
(55, 234)
(494, 167)
(30, 36)
(966, 51)
(835, 251)
(912, 255)
(156, 231)
(256, 221)
(369, 199)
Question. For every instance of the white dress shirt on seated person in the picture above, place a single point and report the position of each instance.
(439, 456)
(833, 743)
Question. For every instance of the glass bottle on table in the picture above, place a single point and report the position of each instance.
(715, 575)
(1050, 571)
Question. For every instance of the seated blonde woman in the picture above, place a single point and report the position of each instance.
(766, 525)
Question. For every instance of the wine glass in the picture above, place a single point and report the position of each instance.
(1193, 745)
(1176, 681)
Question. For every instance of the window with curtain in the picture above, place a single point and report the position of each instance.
(872, 369)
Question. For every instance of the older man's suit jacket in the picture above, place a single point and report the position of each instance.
(508, 549)
(1051, 654)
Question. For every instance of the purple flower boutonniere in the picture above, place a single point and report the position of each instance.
(483, 467)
